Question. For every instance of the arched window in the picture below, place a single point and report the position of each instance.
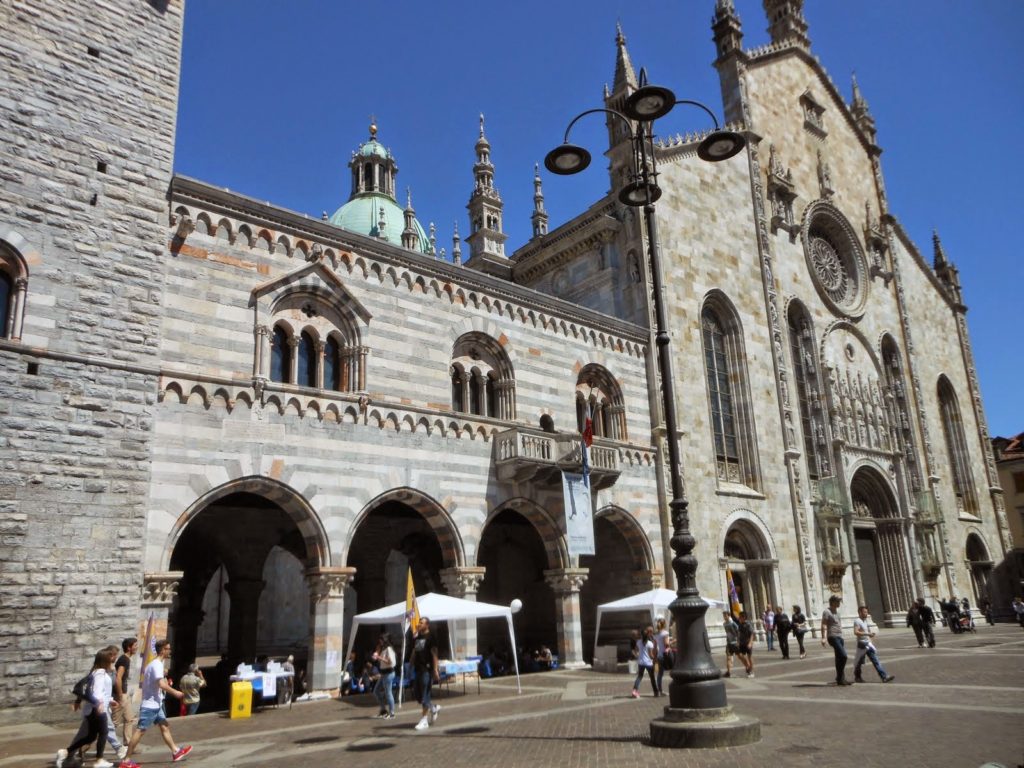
(306, 368)
(483, 382)
(956, 446)
(896, 383)
(805, 380)
(732, 426)
(280, 356)
(332, 364)
(6, 302)
(598, 392)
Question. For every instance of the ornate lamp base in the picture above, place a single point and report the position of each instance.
(704, 729)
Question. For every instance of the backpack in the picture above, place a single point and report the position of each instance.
(83, 689)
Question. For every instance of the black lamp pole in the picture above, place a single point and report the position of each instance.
(698, 714)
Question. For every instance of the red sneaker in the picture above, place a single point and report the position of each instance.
(182, 753)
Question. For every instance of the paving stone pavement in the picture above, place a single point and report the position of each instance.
(958, 705)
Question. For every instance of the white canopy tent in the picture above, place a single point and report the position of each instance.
(654, 601)
(438, 608)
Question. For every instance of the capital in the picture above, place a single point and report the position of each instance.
(328, 582)
(644, 580)
(158, 589)
(566, 581)
(460, 581)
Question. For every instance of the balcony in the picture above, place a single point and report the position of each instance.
(523, 454)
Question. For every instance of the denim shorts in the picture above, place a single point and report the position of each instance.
(148, 717)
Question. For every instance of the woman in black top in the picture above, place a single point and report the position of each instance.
(782, 627)
(799, 622)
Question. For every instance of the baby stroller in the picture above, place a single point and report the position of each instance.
(964, 621)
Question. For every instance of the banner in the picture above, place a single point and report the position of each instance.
(148, 647)
(735, 606)
(579, 514)
(412, 610)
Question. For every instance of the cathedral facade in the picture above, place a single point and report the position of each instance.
(245, 425)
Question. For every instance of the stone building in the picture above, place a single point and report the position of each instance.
(1009, 455)
(248, 424)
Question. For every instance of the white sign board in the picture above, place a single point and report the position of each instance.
(579, 514)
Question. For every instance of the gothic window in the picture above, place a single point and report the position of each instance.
(483, 382)
(598, 392)
(13, 291)
(306, 369)
(956, 446)
(280, 356)
(332, 364)
(805, 380)
(896, 384)
(732, 427)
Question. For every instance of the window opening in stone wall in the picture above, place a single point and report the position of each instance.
(458, 387)
(801, 348)
(599, 392)
(6, 303)
(332, 365)
(101, 166)
(280, 356)
(94, 52)
(33, 369)
(482, 379)
(306, 369)
(956, 446)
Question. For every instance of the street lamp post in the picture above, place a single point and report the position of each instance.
(698, 714)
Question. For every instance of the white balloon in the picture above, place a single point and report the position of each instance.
(516, 605)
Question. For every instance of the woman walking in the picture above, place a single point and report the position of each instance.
(663, 642)
(799, 622)
(644, 660)
(385, 658)
(94, 709)
(783, 625)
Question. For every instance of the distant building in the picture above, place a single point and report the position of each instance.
(1009, 453)
(247, 424)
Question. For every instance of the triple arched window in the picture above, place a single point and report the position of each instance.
(956, 446)
(732, 424)
(482, 380)
(598, 395)
(305, 359)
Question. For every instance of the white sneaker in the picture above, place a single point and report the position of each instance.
(122, 752)
(422, 725)
(62, 755)
(434, 711)
(101, 763)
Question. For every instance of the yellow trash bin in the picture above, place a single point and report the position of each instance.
(241, 699)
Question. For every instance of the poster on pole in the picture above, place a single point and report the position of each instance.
(579, 514)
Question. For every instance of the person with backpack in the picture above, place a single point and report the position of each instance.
(94, 692)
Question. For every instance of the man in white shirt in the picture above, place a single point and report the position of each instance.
(866, 648)
(154, 687)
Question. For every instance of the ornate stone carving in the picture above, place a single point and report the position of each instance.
(566, 580)
(328, 582)
(158, 589)
(460, 581)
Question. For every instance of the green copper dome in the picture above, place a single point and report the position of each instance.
(373, 147)
(362, 215)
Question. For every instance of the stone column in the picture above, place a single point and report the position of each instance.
(463, 582)
(327, 615)
(566, 583)
(363, 352)
(158, 592)
(261, 364)
(17, 319)
(319, 346)
(293, 360)
(242, 618)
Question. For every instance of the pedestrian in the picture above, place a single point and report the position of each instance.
(1018, 609)
(914, 622)
(799, 628)
(126, 711)
(866, 648)
(645, 655)
(191, 683)
(427, 672)
(986, 610)
(832, 633)
(385, 658)
(663, 641)
(732, 642)
(768, 619)
(154, 688)
(287, 686)
(747, 642)
(965, 606)
(783, 625)
(927, 621)
(97, 699)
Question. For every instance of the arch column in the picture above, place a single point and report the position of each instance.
(566, 584)
(464, 582)
(17, 320)
(327, 614)
(243, 617)
(261, 365)
(158, 592)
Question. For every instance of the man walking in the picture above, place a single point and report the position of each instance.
(127, 707)
(914, 622)
(866, 648)
(154, 687)
(747, 642)
(732, 643)
(927, 621)
(768, 619)
(832, 632)
(426, 670)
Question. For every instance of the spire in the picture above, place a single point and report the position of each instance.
(728, 31)
(940, 254)
(948, 274)
(625, 77)
(861, 114)
(540, 216)
(486, 239)
(786, 22)
(433, 239)
(410, 237)
(456, 246)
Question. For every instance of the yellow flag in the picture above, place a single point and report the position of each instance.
(148, 647)
(735, 606)
(412, 611)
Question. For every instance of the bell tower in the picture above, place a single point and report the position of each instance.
(486, 239)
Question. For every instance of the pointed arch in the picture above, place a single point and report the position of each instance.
(956, 448)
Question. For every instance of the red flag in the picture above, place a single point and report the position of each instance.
(588, 440)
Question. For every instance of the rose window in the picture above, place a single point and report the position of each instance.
(835, 279)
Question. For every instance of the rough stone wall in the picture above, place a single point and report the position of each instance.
(88, 94)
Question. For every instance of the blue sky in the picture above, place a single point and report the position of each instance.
(276, 95)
